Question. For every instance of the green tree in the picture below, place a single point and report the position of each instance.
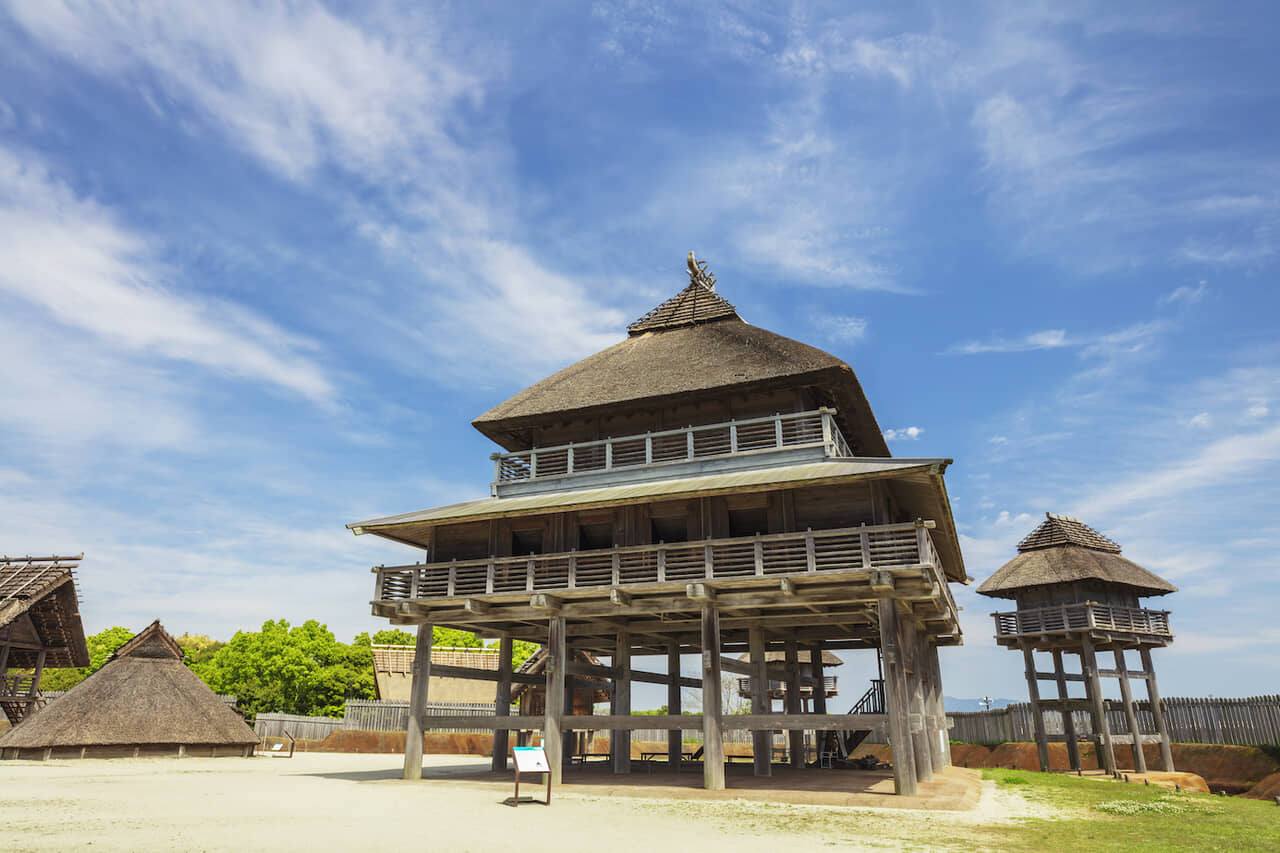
(299, 670)
(101, 646)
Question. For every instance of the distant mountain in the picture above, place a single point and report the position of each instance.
(951, 703)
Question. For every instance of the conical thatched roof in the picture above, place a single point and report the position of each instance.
(691, 344)
(1064, 550)
(144, 696)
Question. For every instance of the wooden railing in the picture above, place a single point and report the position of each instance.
(1082, 617)
(744, 686)
(872, 702)
(805, 429)
(811, 552)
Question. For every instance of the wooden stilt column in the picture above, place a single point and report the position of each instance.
(1093, 684)
(761, 742)
(1037, 714)
(712, 739)
(502, 704)
(911, 641)
(819, 698)
(552, 736)
(1157, 712)
(620, 741)
(417, 703)
(795, 737)
(1068, 719)
(895, 697)
(1130, 713)
(940, 736)
(675, 737)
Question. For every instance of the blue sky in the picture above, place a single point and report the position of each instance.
(260, 264)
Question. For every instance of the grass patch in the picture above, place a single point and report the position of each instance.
(1108, 815)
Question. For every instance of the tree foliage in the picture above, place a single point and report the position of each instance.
(298, 670)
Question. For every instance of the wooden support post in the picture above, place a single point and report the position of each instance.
(819, 698)
(502, 704)
(1037, 715)
(761, 742)
(911, 642)
(418, 691)
(620, 741)
(795, 737)
(1157, 712)
(940, 737)
(35, 678)
(1093, 685)
(1068, 718)
(675, 737)
(712, 742)
(552, 736)
(895, 695)
(1130, 713)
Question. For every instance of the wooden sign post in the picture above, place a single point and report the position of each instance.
(530, 759)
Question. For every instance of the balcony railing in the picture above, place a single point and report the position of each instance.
(805, 429)
(1086, 616)
(812, 552)
(779, 688)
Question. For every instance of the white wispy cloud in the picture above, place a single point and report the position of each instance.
(1047, 339)
(91, 273)
(910, 433)
(845, 329)
(1185, 295)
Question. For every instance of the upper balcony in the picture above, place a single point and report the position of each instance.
(1087, 617)
(782, 439)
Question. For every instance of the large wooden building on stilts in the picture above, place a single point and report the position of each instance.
(703, 487)
(1077, 596)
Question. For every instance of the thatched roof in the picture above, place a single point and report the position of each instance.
(42, 588)
(1064, 550)
(536, 664)
(144, 695)
(690, 345)
(828, 658)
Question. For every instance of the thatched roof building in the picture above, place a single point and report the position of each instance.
(1064, 551)
(393, 674)
(691, 344)
(587, 690)
(143, 702)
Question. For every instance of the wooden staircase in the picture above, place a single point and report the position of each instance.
(872, 702)
(18, 699)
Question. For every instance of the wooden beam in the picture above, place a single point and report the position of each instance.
(474, 674)
(700, 592)
(1068, 720)
(791, 701)
(502, 704)
(675, 738)
(896, 700)
(1093, 684)
(1130, 714)
(1157, 712)
(1037, 714)
(619, 598)
(552, 737)
(712, 739)
(800, 722)
(761, 704)
(418, 692)
(620, 739)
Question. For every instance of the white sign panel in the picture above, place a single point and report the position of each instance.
(530, 759)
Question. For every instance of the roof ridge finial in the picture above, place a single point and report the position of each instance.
(699, 274)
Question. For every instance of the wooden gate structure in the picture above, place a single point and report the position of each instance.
(704, 486)
(1076, 595)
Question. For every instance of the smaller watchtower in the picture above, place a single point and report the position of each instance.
(1077, 595)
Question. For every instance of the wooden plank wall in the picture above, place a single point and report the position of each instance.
(362, 715)
(1249, 721)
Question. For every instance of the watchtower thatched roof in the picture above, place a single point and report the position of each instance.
(691, 344)
(828, 658)
(44, 589)
(1064, 550)
(144, 696)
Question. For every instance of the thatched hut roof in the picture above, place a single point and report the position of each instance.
(43, 589)
(828, 658)
(1064, 550)
(536, 664)
(691, 344)
(144, 696)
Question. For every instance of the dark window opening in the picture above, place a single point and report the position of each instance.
(748, 522)
(524, 542)
(671, 529)
(595, 536)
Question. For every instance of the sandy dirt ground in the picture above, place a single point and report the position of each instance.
(325, 801)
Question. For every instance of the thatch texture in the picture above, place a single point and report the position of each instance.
(42, 588)
(1064, 550)
(697, 303)
(672, 365)
(393, 673)
(144, 697)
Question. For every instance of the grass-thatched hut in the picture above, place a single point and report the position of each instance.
(144, 702)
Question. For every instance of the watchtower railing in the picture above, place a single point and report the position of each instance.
(872, 702)
(813, 552)
(782, 431)
(1085, 616)
(780, 687)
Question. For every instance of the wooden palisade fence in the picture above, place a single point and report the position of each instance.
(1251, 721)
(364, 715)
